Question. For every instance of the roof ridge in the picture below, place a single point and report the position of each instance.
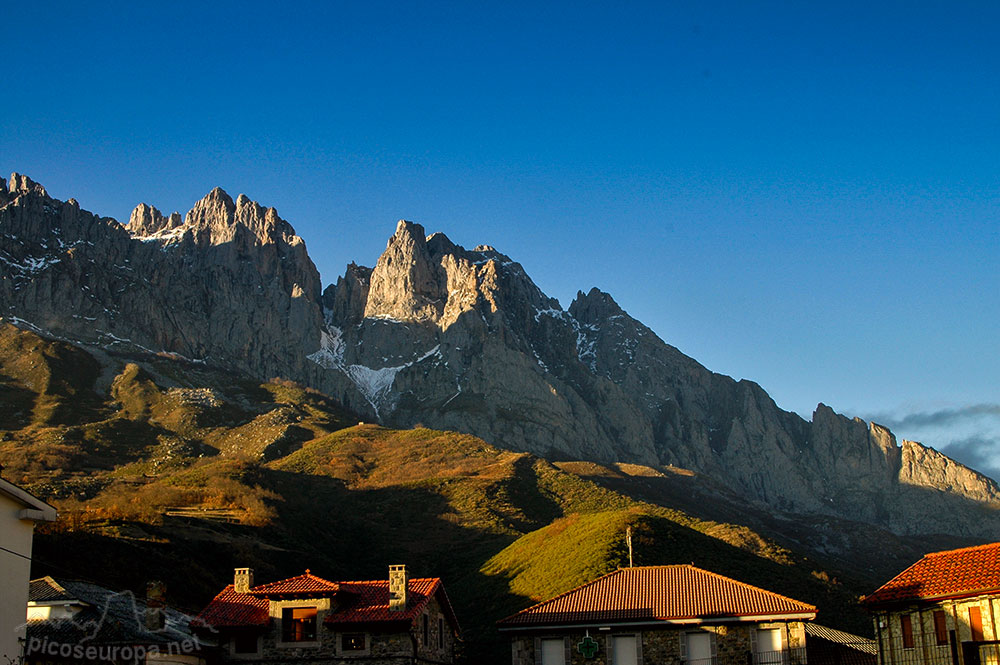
(411, 579)
(751, 586)
(983, 546)
(306, 574)
(565, 593)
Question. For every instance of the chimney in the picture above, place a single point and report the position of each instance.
(156, 596)
(242, 580)
(398, 580)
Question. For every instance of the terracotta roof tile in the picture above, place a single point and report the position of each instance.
(848, 640)
(305, 584)
(950, 574)
(372, 601)
(230, 609)
(666, 593)
(364, 602)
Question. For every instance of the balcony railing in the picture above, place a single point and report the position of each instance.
(784, 657)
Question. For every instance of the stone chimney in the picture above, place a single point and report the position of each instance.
(156, 598)
(398, 579)
(242, 580)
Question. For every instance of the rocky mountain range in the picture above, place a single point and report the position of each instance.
(456, 339)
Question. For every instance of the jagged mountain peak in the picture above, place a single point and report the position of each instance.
(594, 307)
(22, 184)
(457, 339)
(215, 219)
(147, 220)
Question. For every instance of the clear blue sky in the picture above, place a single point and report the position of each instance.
(803, 194)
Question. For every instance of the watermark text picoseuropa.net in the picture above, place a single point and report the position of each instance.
(41, 647)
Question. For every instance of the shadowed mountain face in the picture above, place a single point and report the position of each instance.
(457, 339)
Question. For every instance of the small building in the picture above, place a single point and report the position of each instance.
(667, 615)
(307, 619)
(72, 622)
(19, 511)
(828, 646)
(942, 610)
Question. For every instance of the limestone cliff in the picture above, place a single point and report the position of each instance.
(456, 339)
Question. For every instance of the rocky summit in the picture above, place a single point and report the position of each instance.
(458, 339)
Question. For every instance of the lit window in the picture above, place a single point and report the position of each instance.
(298, 624)
(352, 642)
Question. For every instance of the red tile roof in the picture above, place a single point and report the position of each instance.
(230, 610)
(658, 593)
(358, 602)
(969, 571)
(371, 604)
(302, 585)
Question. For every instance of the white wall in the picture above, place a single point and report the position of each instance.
(15, 534)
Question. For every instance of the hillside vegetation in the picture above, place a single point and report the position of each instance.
(163, 468)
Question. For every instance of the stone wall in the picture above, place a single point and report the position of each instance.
(659, 646)
(926, 650)
(381, 648)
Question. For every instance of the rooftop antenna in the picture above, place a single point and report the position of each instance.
(628, 539)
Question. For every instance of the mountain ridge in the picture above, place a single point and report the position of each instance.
(457, 339)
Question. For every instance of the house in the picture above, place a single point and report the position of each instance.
(19, 511)
(71, 621)
(941, 610)
(310, 619)
(667, 615)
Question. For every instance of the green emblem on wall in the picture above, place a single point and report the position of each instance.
(588, 647)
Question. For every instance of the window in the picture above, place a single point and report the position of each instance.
(352, 642)
(245, 643)
(298, 624)
(625, 650)
(906, 628)
(440, 633)
(940, 628)
(554, 652)
(769, 646)
(427, 631)
(976, 624)
(698, 648)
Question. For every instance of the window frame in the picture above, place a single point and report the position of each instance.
(613, 647)
(339, 642)
(976, 632)
(257, 653)
(287, 622)
(906, 631)
(940, 627)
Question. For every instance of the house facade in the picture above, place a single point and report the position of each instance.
(308, 619)
(942, 610)
(663, 615)
(19, 511)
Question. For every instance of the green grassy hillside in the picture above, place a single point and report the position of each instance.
(170, 470)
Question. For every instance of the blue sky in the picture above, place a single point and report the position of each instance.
(806, 196)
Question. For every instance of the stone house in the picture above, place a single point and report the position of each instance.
(942, 610)
(19, 511)
(667, 615)
(307, 619)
